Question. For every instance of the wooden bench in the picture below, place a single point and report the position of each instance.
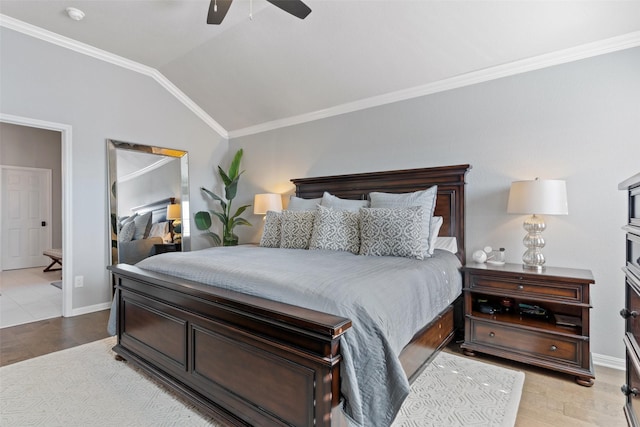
(56, 258)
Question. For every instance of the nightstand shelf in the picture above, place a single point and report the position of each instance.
(495, 325)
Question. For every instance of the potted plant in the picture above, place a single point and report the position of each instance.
(229, 222)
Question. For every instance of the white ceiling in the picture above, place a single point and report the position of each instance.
(275, 67)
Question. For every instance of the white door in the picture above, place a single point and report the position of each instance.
(26, 216)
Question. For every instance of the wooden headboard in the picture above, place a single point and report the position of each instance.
(449, 179)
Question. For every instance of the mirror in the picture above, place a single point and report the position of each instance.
(149, 188)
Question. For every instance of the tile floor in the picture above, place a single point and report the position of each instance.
(27, 295)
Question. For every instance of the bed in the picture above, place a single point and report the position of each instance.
(250, 360)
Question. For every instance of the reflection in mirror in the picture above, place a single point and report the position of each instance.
(149, 201)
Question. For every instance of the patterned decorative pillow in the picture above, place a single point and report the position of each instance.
(336, 230)
(391, 232)
(126, 232)
(300, 204)
(424, 198)
(331, 201)
(296, 228)
(271, 232)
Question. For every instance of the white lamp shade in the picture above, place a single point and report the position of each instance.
(173, 212)
(545, 197)
(267, 202)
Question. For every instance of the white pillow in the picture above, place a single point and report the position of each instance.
(299, 204)
(331, 201)
(336, 230)
(449, 244)
(271, 232)
(424, 198)
(436, 224)
(391, 232)
(296, 228)
(159, 229)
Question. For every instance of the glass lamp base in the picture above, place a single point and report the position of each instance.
(533, 258)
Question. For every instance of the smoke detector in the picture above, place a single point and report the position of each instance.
(75, 14)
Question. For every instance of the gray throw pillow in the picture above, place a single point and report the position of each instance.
(331, 201)
(300, 204)
(126, 232)
(143, 226)
(391, 232)
(336, 230)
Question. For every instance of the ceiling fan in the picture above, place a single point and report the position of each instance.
(219, 8)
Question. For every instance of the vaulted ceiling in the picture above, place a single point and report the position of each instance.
(274, 69)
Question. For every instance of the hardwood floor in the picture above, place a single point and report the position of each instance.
(551, 399)
(548, 399)
(46, 336)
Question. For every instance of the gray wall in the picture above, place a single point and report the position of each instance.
(99, 100)
(36, 148)
(157, 184)
(579, 122)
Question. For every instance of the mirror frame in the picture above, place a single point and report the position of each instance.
(112, 146)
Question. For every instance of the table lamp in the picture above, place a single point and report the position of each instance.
(174, 215)
(267, 202)
(548, 197)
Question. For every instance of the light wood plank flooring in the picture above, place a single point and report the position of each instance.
(551, 399)
(548, 399)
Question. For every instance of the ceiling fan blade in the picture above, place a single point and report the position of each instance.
(217, 14)
(295, 7)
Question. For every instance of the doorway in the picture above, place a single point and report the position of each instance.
(26, 216)
(63, 198)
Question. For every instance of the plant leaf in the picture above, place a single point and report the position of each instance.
(232, 189)
(216, 239)
(202, 220)
(215, 197)
(225, 179)
(235, 164)
(241, 221)
(221, 216)
(240, 210)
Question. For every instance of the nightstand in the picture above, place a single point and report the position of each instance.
(167, 247)
(540, 318)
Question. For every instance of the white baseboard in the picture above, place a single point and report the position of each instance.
(90, 309)
(608, 361)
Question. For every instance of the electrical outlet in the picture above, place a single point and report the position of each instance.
(78, 281)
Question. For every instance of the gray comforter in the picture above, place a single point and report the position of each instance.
(388, 300)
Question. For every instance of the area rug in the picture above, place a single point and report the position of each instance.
(86, 386)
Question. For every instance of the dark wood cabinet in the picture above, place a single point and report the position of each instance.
(540, 318)
(167, 247)
(631, 311)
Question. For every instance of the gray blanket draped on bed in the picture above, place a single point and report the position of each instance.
(388, 300)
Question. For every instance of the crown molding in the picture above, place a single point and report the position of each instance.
(601, 47)
(85, 49)
(588, 50)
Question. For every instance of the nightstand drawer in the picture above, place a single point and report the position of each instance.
(534, 344)
(520, 286)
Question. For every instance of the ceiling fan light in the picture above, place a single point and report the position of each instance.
(75, 14)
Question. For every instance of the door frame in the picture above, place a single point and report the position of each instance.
(47, 217)
(67, 211)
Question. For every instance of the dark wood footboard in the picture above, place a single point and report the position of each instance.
(245, 359)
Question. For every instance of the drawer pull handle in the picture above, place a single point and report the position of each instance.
(492, 334)
(553, 348)
(625, 313)
(626, 390)
(520, 287)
